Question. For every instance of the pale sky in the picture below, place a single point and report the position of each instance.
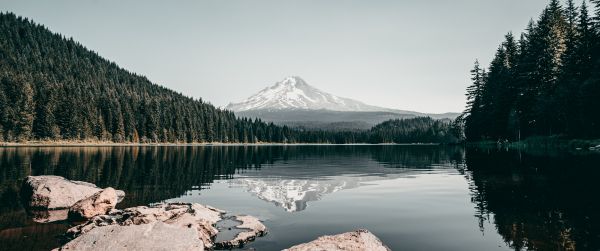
(411, 55)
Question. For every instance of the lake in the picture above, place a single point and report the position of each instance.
(413, 197)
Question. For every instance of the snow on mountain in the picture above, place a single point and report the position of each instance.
(294, 93)
(295, 103)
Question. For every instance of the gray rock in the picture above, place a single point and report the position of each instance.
(55, 192)
(358, 240)
(153, 236)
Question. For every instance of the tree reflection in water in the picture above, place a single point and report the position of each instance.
(536, 200)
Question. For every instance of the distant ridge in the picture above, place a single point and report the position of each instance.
(294, 102)
(294, 93)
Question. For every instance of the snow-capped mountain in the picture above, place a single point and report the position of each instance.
(294, 93)
(294, 102)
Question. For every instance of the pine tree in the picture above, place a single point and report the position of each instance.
(547, 84)
(597, 12)
(3, 110)
(473, 114)
(590, 89)
(25, 111)
(474, 90)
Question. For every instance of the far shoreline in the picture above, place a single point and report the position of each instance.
(114, 144)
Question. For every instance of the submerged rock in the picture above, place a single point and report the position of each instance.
(55, 192)
(97, 204)
(352, 241)
(247, 231)
(178, 216)
(47, 216)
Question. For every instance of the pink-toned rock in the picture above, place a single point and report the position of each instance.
(152, 236)
(55, 192)
(178, 216)
(359, 240)
(99, 203)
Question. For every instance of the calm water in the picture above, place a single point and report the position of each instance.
(412, 197)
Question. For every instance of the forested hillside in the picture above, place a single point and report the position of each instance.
(544, 82)
(422, 129)
(53, 88)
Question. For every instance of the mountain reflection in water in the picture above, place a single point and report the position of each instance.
(297, 182)
(528, 200)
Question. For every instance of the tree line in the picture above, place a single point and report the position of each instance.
(545, 82)
(53, 88)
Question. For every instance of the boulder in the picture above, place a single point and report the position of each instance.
(55, 192)
(99, 203)
(153, 236)
(250, 228)
(191, 217)
(358, 240)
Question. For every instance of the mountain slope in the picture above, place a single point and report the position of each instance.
(293, 102)
(294, 93)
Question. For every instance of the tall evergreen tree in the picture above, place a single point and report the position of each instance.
(474, 90)
(25, 111)
(547, 84)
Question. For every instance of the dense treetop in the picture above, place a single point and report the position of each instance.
(544, 82)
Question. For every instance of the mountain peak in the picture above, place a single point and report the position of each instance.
(292, 81)
(294, 93)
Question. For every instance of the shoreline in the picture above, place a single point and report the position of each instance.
(114, 144)
(543, 142)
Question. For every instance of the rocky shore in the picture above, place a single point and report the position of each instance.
(98, 225)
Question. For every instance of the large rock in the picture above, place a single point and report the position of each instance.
(55, 192)
(352, 241)
(152, 236)
(99, 203)
(191, 217)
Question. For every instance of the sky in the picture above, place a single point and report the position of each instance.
(410, 55)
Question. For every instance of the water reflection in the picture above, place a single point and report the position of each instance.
(534, 200)
(153, 174)
(538, 200)
(295, 183)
